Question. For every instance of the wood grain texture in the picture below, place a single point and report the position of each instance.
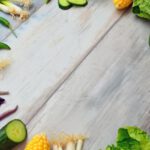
(50, 45)
(4, 32)
(110, 89)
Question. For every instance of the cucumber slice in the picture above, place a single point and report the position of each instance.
(64, 4)
(12, 134)
(78, 2)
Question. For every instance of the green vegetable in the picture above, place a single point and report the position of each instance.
(142, 8)
(7, 24)
(131, 138)
(10, 8)
(64, 4)
(12, 134)
(47, 1)
(112, 147)
(125, 142)
(78, 2)
(4, 46)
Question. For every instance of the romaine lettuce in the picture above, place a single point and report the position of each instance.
(142, 8)
(131, 138)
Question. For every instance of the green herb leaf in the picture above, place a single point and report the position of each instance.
(131, 138)
(47, 1)
(125, 142)
(7, 24)
(4, 46)
(112, 147)
(141, 8)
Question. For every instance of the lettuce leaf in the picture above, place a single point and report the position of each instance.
(125, 142)
(112, 147)
(131, 138)
(141, 136)
(142, 8)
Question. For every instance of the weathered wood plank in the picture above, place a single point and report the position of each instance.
(4, 32)
(108, 90)
(50, 45)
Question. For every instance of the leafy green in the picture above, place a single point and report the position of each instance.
(131, 138)
(125, 142)
(142, 8)
(141, 136)
(4, 46)
(112, 147)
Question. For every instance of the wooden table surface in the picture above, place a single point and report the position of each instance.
(84, 70)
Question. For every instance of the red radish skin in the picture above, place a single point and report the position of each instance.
(8, 113)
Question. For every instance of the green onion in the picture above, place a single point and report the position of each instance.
(47, 1)
(8, 7)
(4, 46)
(25, 3)
(7, 24)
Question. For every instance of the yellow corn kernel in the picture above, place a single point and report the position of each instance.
(122, 4)
(38, 142)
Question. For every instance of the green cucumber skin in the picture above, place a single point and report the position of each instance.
(5, 142)
(82, 5)
(65, 7)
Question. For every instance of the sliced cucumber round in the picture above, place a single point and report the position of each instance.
(12, 134)
(78, 2)
(64, 4)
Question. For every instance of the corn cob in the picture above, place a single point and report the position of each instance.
(122, 4)
(38, 142)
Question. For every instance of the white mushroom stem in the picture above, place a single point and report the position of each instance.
(79, 144)
(60, 148)
(70, 146)
(55, 147)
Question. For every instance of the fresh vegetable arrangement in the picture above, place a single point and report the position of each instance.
(63, 142)
(4, 46)
(66, 4)
(19, 8)
(12, 134)
(131, 138)
(139, 7)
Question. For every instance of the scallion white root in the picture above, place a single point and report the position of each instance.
(8, 7)
(25, 3)
(68, 142)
